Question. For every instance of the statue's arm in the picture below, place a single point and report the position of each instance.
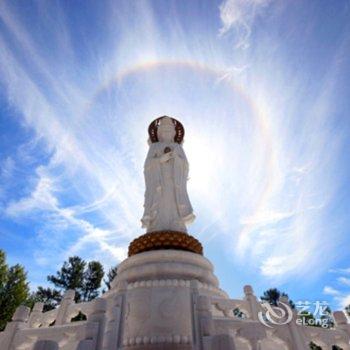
(182, 163)
(154, 157)
(179, 153)
(151, 173)
(151, 157)
(165, 157)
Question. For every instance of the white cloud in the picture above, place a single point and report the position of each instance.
(344, 301)
(276, 265)
(43, 199)
(263, 218)
(341, 297)
(238, 15)
(7, 167)
(344, 280)
(257, 176)
(347, 270)
(98, 170)
(331, 291)
(40, 199)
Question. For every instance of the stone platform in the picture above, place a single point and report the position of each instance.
(159, 300)
(164, 300)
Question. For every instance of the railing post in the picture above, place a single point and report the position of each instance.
(252, 301)
(298, 339)
(36, 315)
(98, 315)
(18, 322)
(341, 321)
(63, 314)
(113, 324)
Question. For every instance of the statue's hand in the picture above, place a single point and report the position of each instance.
(166, 156)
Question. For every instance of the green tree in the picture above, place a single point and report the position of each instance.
(14, 289)
(50, 297)
(112, 273)
(273, 295)
(92, 280)
(70, 276)
(84, 278)
(3, 269)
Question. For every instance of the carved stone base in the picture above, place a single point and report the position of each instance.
(165, 240)
(159, 289)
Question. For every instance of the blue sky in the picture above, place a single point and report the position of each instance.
(262, 88)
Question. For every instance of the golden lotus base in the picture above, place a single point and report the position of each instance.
(165, 240)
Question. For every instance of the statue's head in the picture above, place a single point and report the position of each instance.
(166, 129)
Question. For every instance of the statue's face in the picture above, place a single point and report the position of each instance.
(166, 130)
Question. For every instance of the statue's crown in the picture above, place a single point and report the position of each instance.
(152, 129)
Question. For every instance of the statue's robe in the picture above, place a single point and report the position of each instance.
(167, 206)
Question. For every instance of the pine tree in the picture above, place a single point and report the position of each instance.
(84, 278)
(92, 280)
(50, 297)
(112, 273)
(14, 289)
(273, 295)
(3, 269)
(71, 276)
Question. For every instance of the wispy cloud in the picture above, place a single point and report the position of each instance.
(341, 299)
(42, 200)
(103, 179)
(261, 176)
(330, 291)
(339, 270)
(238, 16)
(341, 288)
(7, 168)
(284, 226)
(344, 280)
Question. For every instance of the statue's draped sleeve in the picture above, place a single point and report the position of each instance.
(152, 175)
(181, 169)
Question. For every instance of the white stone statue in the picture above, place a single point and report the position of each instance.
(167, 206)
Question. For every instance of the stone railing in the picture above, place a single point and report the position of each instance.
(214, 322)
(219, 325)
(38, 329)
(67, 310)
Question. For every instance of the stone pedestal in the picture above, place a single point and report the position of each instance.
(164, 300)
(160, 298)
